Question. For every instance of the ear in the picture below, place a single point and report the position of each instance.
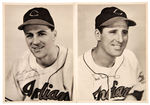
(54, 34)
(97, 35)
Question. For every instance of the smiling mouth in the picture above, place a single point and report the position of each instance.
(117, 46)
(37, 49)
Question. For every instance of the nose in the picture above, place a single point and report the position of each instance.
(35, 40)
(120, 38)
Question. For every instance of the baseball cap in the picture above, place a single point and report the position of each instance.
(109, 15)
(37, 16)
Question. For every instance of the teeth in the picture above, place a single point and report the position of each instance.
(117, 47)
(37, 47)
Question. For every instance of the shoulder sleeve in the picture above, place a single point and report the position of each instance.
(12, 88)
(139, 87)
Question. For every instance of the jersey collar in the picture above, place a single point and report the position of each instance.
(54, 67)
(88, 59)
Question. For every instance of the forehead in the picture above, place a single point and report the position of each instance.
(119, 23)
(29, 28)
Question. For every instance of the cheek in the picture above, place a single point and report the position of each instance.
(125, 38)
(48, 41)
(28, 41)
(106, 40)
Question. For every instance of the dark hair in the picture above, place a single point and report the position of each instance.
(101, 28)
(51, 27)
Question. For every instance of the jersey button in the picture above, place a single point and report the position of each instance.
(96, 76)
(103, 76)
(117, 76)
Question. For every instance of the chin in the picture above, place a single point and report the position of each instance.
(117, 54)
(38, 55)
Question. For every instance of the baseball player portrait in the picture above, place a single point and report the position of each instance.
(44, 71)
(110, 71)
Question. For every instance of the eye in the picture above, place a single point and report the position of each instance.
(41, 33)
(113, 31)
(29, 35)
(125, 32)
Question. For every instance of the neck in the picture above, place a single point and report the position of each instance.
(49, 59)
(102, 58)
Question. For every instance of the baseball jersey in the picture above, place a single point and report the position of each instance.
(29, 81)
(109, 84)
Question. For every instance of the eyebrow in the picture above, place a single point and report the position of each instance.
(42, 31)
(114, 30)
(28, 33)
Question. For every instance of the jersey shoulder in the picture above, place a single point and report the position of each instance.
(131, 60)
(21, 65)
(67, 58)
(83, 63)
(85, 56)
(130, 56)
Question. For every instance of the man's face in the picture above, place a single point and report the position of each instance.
(40, 39)
(114, 38)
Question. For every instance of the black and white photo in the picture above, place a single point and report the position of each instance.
(75, 52)
(38, 45)
(112, 52)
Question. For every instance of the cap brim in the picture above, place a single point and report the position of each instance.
(34, 22)
(115, 19)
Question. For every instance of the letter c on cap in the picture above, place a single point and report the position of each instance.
(34, 13)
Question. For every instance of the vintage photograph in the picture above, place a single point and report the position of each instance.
(40, 44)
(112, 49)
(38, 52)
